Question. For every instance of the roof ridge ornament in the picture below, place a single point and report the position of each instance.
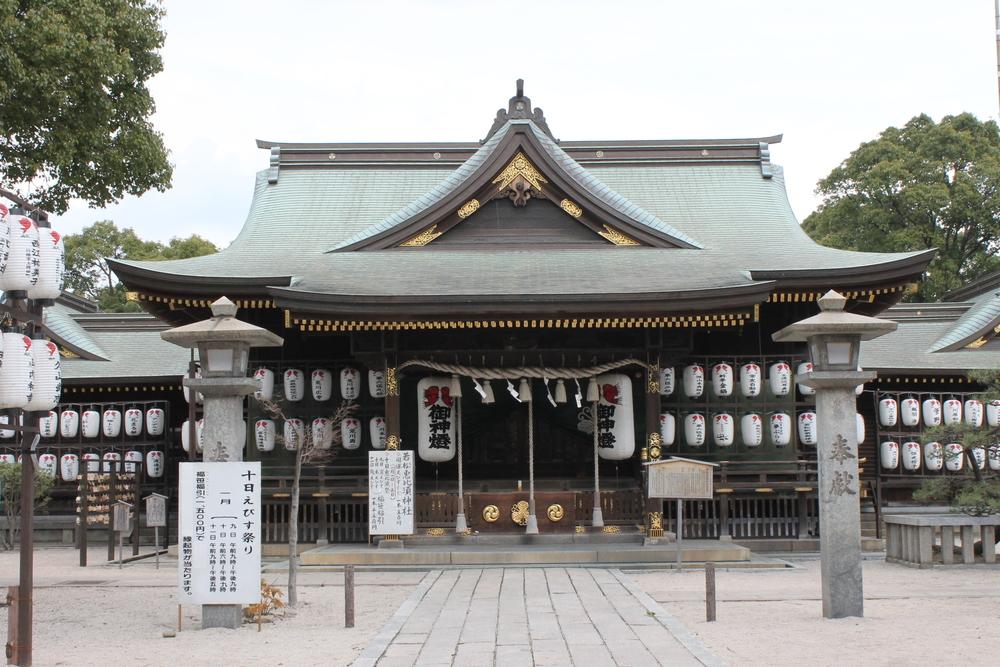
(519, 107)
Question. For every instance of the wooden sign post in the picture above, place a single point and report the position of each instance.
(156, 518)
(121, 524)
(679, 479)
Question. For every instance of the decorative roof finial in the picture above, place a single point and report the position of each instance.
(519, 106)
(520, 87)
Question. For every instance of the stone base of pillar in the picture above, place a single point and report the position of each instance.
(532, 526)
(461, 527)
(228, 616)
(390, 542)
(598, 520)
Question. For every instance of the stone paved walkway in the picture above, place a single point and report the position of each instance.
(524, 617)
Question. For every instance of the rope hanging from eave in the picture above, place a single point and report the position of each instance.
(539, 372)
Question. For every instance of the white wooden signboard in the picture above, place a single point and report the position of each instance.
(679, 478)
(219, 533)
(390, 493)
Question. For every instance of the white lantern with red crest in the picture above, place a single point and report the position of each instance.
(47, 376)
(111, 424)
(994, 457)
(322, 384)
(132, 457)
(909, 411)
(51, 265)
(199, 434)
(295, 384)
(694, 381)
(889, 454)
(21, 272)
(750, 379)
(293, 433)
(993, 413)
(752, 429)
(376, 384)
(350, 384)
(803, 368)
(435, 420)
(91, 461)
(265, 384)
(154, 463)
(888, 411)
(781, 429)
(48, 426)
(350, 433)
(47, 464)
(974, 413)
(694, 429)
(69, 467)
(723, 429)
(90, 423)
(668, 428)
(155, 418)
(932, 412)
(722, 379)
(112, 460)
(780, 378)
(187, 390)
(933, 456)
(859, 427)
(807, 428)
(667, 381)
(264, 435)
(69, 423)
(133, 422)
(951, 411)
(979, 456)
(4, 239)
(378, 431)
(615, 418)
(18, 374)
(322, 434)
(954, 456)
(910, 453)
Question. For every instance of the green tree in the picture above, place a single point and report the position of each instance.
(74, 107)
(10, 500)
(925, 185)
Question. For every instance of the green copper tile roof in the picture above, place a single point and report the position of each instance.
(908, 349)
(67, 332)
(133, 354)
(979, 319)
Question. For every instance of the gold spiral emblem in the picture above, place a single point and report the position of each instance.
(491, 513)
(556, 513)
(519, 513)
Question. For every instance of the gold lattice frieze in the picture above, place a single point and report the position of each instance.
(423, 238)
(519, 166)
(616, 237)
(468, 208)
(571, 208)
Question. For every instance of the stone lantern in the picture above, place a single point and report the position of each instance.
(834, 340)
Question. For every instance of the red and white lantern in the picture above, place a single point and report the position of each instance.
(979, 455)
(47, 464)
(199, 434)
(932, 412)
(722, 379)
(668, 428)
(187, 390)
(6, 432)
(293, 432)
(111, 424)
(694, 381)
(909, 411)
(615, 426)
(112, 459)
(48, 426)
(92, 462)
(888, 412)
(781, 429)
(859, 427)
(954, 456)
(723, 429)
(667, 381)
(377, 431)
(322, 434)
(21, 272)
(47, 376)
(265, 384)
(132, 457)
(322, 384)
(295, 384)
(889, 455)
(4, 239)
(69, 467)
(974, 413)
(993, 413)
(264, 435)
(51, 265)
(807, 428)
(155, 419)
(435, 420)
(994, 457)
(952, 411)
(133, 422)
(154, 463)
(752, 429)
(69, 423)
(910, 453)
(376, 384)
(8, 458)
(933, 456)
(350, 384)
(350, 433)
(694, 429)
(804, 367)
(750, 379)
(90, 423)
(780, 378)
(18, 374)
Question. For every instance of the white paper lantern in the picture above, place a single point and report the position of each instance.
(435, 420)
(21, 272)
(694, 429)
(803, 368)
(322, 384)
(6, 432)
(155, 419)
(933, 456)
(47, 464)
(859, 427)
(951, 411)
(51, 265)
(111, 424)
(350, 384)
(295, 384)
(668, 428)
(92, 462)
(752, 429)
(48, 426)
(994, 457)
(974, 413)
(18, 374)
(780, 378)
(264, 435)
(112, 459)
(615, 417)
(781, 429)
(47, 376)
(860, 388)
(133, 422)
(722, 379)
(909, 411)
(377, 431)
(750, 379)
(154, 463)
(69, 467)
(979, 455)
(90, 423)
(4, 240)
(667, 381)
(910, 453)
(199, 434)
(376, 384)
(187, 391)
(69, 423)
(8, 458)
(888, 412)
(694, 381)
(723, 429)
(294, 433)
(807, 428)
(932, 412)
(322, 434)
(132, 457)
(265, 384)
(889, 455)
(954, 456)
(350, 433)
(993, 413)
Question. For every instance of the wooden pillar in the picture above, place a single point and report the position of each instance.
(653, 448)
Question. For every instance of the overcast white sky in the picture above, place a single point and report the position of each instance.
(827, 75)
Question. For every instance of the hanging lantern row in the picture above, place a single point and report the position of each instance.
(30, 374)
(32, 259)
(935, 456)
(320, 384)
(322, 430)
(68, 465)
(92, 423)
(779, 378)
(751, 429)
(934, 412)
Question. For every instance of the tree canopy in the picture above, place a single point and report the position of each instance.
(74, 107)
(925, 185)
(89, 275)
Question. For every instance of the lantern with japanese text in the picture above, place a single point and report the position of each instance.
(994, 457)
(21, 272)
(807, 428)
(667, 381)
(48, 425)
(781, 429)
(112, 460)
(132, 457)
(668, 428)
(694, 429)
(264, 435)
(322, 434)
(51, 265)
(47, 464)
(350, 433)
(47, 376)
(723, 429)
(322, 384)
(92, 462)
(951, 411)
(90, 423)
(780, 378)
(615, 425)
(954, 456)
(722, 379)
(933, 456)
(974, 413)
(17, 378)
(750, 379)
(350, 384)
(376, 384)
(377, 431)
(932, 412)
(69, 423)
(909, 411)
(910, 453)
(4, 240)
(293, 433)
(435, 420)
(888, 412)
(154, 421)
(154, 463)
(859, 427)
(993, 413)
(69, 467)
(889, 455)
(752, 429)
(694, 381)
(265, 384)
(295, 384)
(199, 428)
(111, 424)
(979, 456)
(803, 368)
(133, 422)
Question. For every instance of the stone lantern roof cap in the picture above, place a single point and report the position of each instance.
(222, 327)
(833, 320)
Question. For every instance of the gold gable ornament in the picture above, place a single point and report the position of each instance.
(423, 238)
(616, 237)
(517, 180)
